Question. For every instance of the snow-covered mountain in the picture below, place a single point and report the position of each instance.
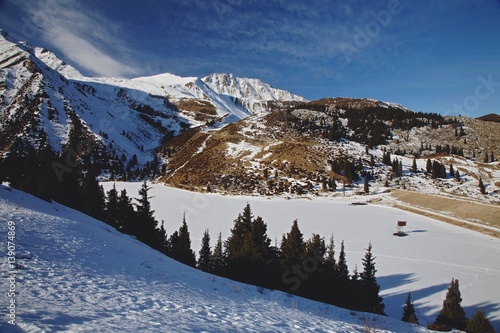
(42, 97)
(253, 93)
(73, 273)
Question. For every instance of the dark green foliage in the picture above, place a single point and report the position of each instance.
(292, 247)
(204, 258)
(409, 314)
(180, 245)
(371, 301)
(479, 323)
(125, 214)
(428, 168)
(414, 166)
(145, 228)
(439, 327)
(482, 188)
(452, 314)
(248, 250)
(366, 186)
(438, 170)
(93, 197)
(218, 261)
(111, 208)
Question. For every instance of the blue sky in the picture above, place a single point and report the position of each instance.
(432, 56)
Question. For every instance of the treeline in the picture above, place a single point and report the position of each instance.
(308, 268)
(370, 125)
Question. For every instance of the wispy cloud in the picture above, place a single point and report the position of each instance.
(86, 38)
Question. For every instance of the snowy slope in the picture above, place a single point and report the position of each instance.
(79, 275)
(422, 263)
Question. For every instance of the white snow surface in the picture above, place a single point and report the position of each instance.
(422, 263)
(79, 275)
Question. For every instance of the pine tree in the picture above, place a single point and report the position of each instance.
(366, 186)
(241, 230)
(292, 247)
(164, 245)
(180, 245)
(111, 213)
(429, 166)
(93, 197)
(486, 157)
(372, 302)
(342, 269)
(205, 254)
(146, 228)
(330, 264)
(414, 166)
(452, 314)
(457, 175)
(482, 188)
(258, 244)
(126, 214)
(479, 323)
(218, 261)
(342, 293)
(409, 314)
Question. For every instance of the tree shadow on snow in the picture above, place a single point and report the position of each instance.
(395, 280)
(394, 302)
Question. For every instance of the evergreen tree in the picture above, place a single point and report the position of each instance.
(479, 323)
(366, 186)
(452, 171)
(342, 269)
(457, 175)
(355, 290)
(180, 245)
(111, 212)
(218, 261)
(342, 294)
(164, 245)
(429, 166)
(486, 157)
(93, 197)
(330, 264)
(204, 258)
(372, 302)
(126, 214)
(409, 314)
(241, 230)
(258, 244)
(333, 185)
(482, 188)
(146, 227)
(414, 166)
(292, 247)
(452, 314)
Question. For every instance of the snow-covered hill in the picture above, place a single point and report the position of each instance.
(77, 274)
